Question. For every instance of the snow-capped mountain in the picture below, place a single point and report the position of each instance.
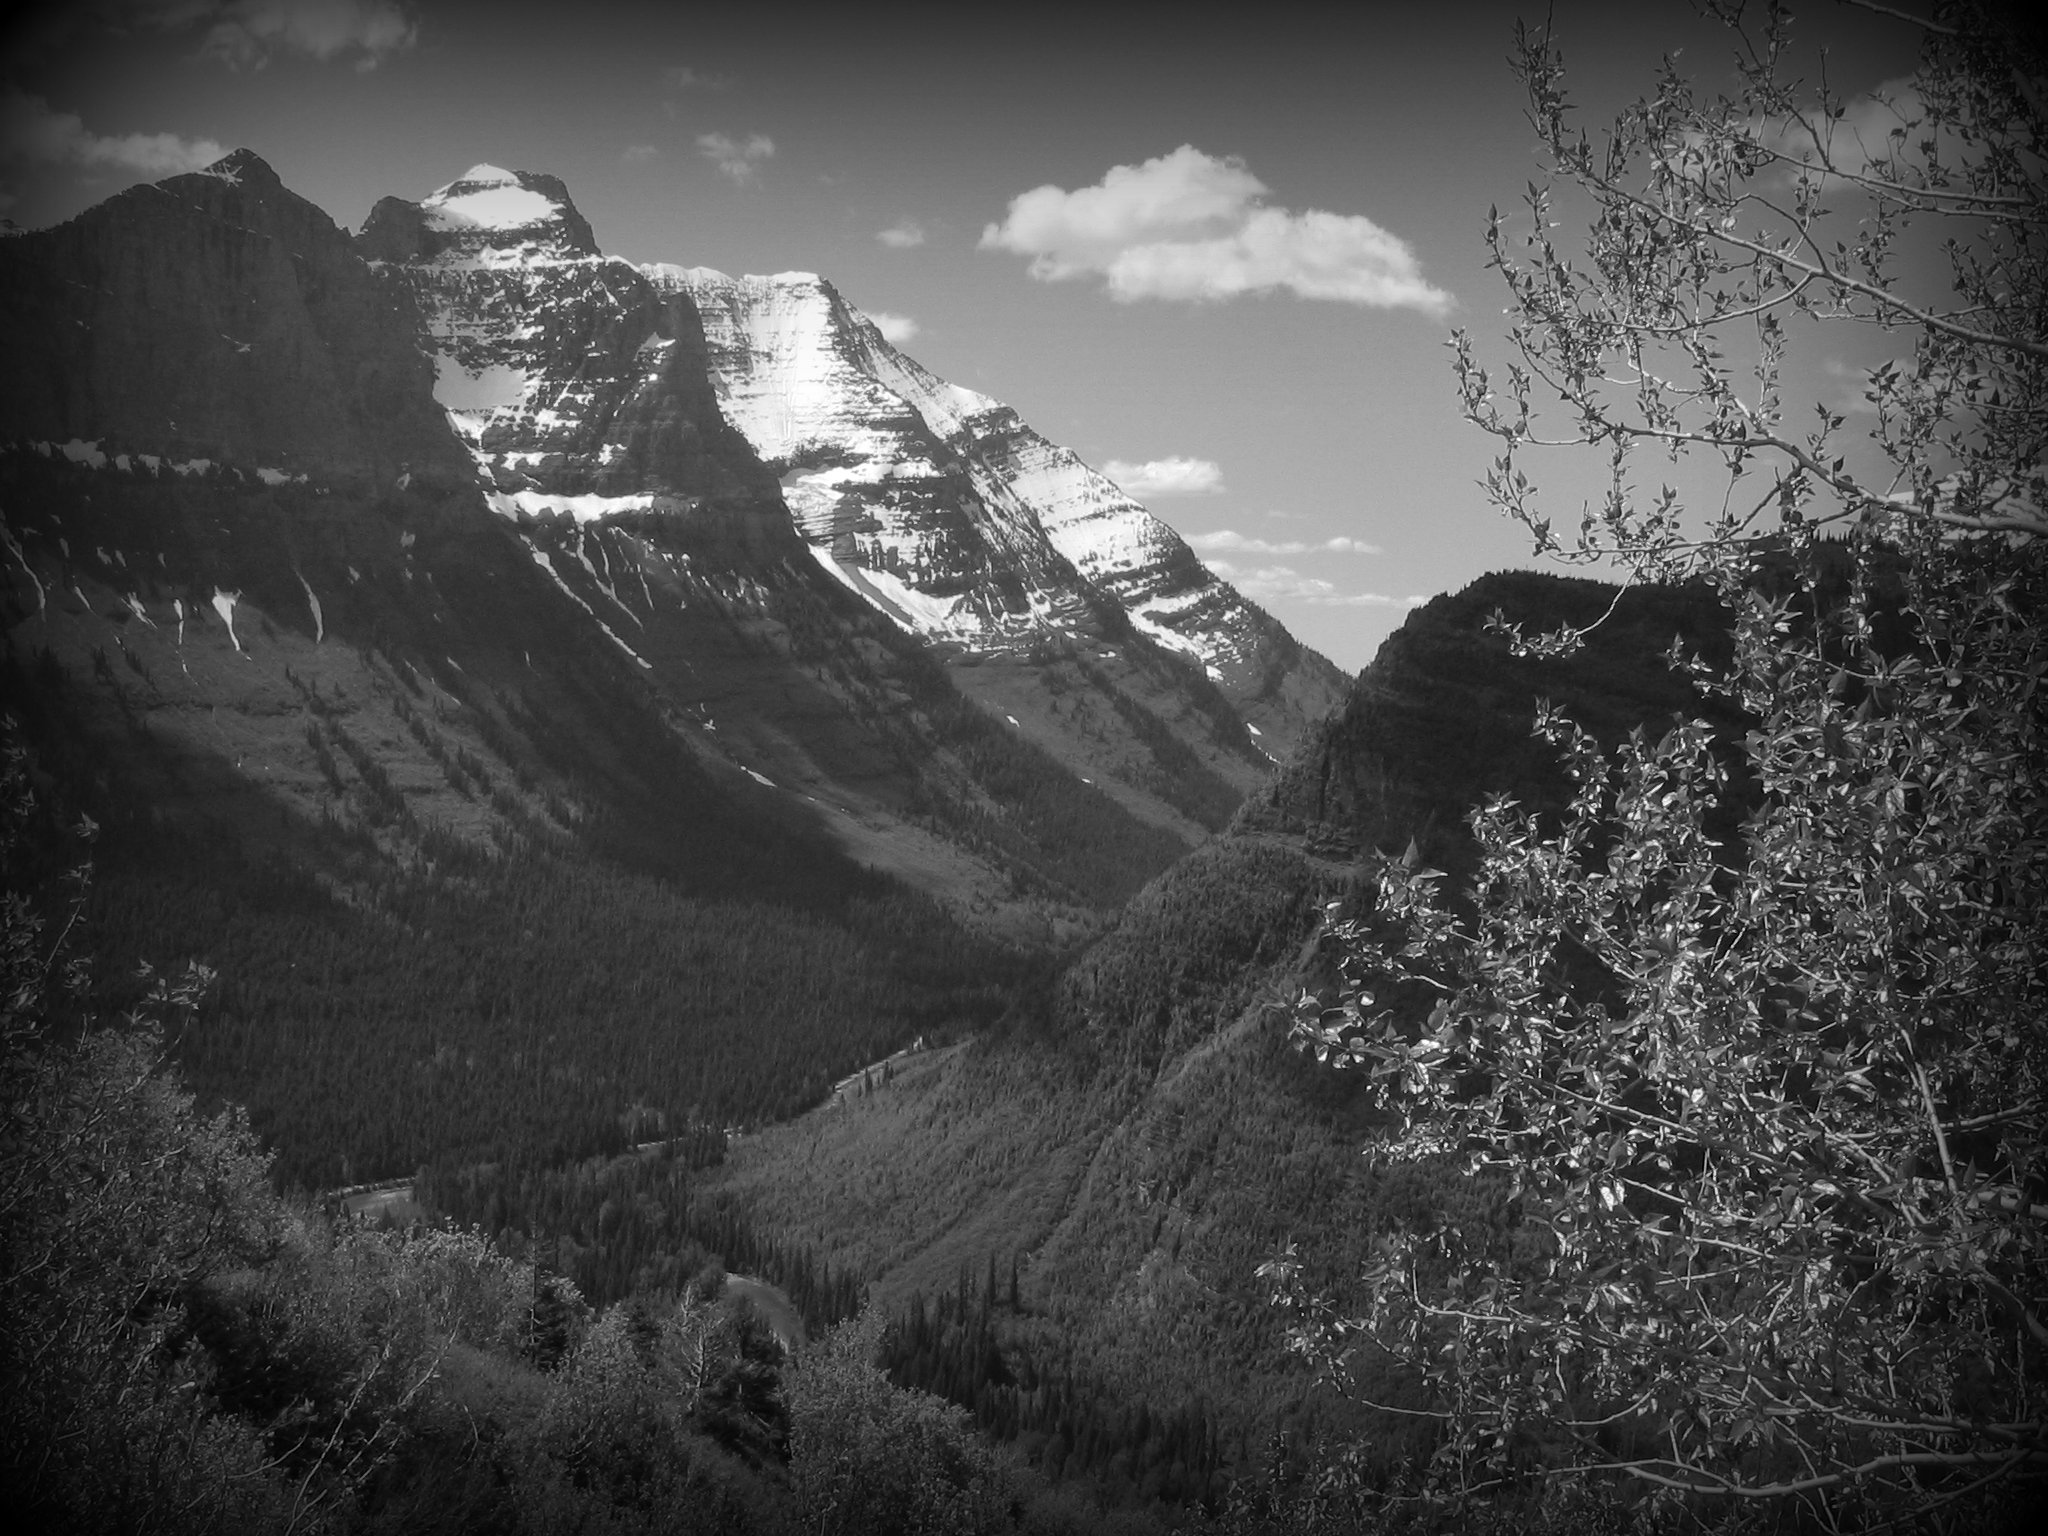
(934, 504)
(942, 504)
(556, 365)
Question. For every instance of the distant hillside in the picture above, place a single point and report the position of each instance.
(1146, 1138)
(1439, 721)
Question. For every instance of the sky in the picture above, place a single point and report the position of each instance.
(1218, 253)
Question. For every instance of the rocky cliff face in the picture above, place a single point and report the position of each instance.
(940, 504)
(217, 317)
(577, 387)
(886, 504)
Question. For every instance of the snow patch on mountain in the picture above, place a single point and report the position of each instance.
(499, 203)
(489, 387)
(224, 605)
(491, 216)
(918, 612)
(781, 379)
(88, 454)
(312, 606)
(546, 562)
(586, 508)
(1171, 597)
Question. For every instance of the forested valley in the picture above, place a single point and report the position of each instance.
(1053, 1210)
(472, 1005)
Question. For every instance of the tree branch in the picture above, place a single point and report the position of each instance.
(1696, 1479)
(1883, 298)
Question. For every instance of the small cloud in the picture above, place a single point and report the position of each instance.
(1885, 126)
(1284, 584)
(1852, 396)
(738, 158)
(903, 236)
(1166, 477)
(1229, 540)
(249, 34)
(1195, 227)
(895, 329)
(683, 77)
(638, 154)
(31, 133)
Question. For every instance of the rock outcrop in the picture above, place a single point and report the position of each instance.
(218, 317)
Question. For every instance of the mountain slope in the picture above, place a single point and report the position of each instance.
(1172, 1140)
(941, 507)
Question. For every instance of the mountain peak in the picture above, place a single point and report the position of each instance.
(487, 216)
(242, 167)
(671, 277)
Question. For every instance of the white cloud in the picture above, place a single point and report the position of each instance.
(1886, 132)
(1227, 539)
(681, 77)
(248, 34)
(895, 329)
(738, 158)
(1887, 123)
(638, 154)
(1192, 226)
(31, 133)
(1284, 584)
(1852, 387)
(1166, 477)
(902, 236)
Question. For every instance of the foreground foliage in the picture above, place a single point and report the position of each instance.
(1754, 1028)
(184, 1350)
